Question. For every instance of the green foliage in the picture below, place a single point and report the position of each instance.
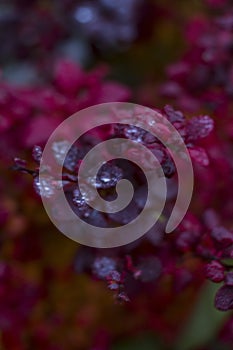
(204, 322)
(145, 341)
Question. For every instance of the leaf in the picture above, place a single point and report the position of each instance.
(144, 341)
(204, 322)
(227, 261)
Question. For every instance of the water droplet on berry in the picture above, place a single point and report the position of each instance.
(103, 266)
(44, 186)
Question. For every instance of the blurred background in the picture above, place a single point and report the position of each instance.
(57, 57)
